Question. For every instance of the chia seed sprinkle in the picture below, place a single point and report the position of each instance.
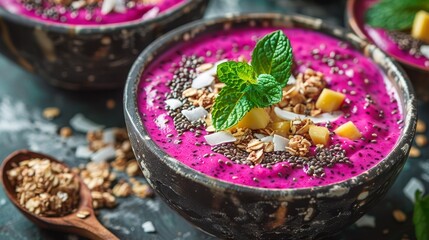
(407, 43)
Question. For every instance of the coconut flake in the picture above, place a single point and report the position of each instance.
(259, 135)
(173, 103)
(267, 139)
(321, 118)
(195, 114)
(206, 78)
(219, 138)
(108, 6)
(80, 123)
(280, 143)
(366, 221)
(109, 135)
(424, 49)
(151, 13)
(104, 154)
(292, 80)
(412, 186)
(83, 152)
(148, 227)
(120, 6)
(203, 80)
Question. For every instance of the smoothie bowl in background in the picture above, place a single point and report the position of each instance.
(268, 126)
(83, 44)
(400, 28)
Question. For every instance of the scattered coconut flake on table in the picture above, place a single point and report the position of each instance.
(195, 114)
(2, 202)
(151, 13)
(219, 138)
(321, 118)
(424, 49)
(104, 154)
(280, 143)
(109, 135)
(366, 221)
(412, 186)
(148, 227)
(83, 152)
(173, 103)
(80, 123)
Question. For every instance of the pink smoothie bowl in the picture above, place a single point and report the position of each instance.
(78, 57)
(233, 211)
(418, 74)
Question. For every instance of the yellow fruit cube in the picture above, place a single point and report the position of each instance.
(281, 128)
(330, 100)
(319, 135)
(257, 118)
(348, 130)
(420, 28)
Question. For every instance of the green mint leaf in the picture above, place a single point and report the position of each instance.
(266, 93)
(236, 74)
(229, 108)
(273, 55)
(395, 14)
(421, 217)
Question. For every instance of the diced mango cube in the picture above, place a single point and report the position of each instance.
(330, 100)
(420, 28)
(281, 128)
(257, 118)
(319, 135)
(348, 130)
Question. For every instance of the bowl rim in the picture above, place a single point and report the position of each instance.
(93, 29)
(353, 23)
(133, 119)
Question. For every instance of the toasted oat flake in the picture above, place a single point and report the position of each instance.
(415, 152)
(51, 113)
(83, 214)
(421, 140)
(399, 215)
(421, 126)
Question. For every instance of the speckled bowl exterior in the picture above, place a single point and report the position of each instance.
(232, 211)
(418, 75)
(86, 57)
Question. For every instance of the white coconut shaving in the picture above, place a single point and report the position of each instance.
(219, 138)
(151, 13)
(195, 114)
(267, 139)
(259, 135)
(321, 118)
(424, 49)
(104, 154)
(80, 123)
(206, 78)
(292, 80)
(113, 5)
(83, 152)
(148, 227)
(173, 103)
(366, 221)
(412, 186)
(280, 143)
(109, 135)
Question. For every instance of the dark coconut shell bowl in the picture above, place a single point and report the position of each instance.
(86, 57)
(233, 211)
(418, 75)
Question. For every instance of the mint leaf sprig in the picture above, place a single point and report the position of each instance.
(395, 14)
(257, 85)
(421, 216)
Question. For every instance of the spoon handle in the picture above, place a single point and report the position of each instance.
(91, 228)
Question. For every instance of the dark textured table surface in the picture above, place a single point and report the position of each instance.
(24, 96)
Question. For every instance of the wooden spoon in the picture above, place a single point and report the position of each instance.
(88, 227)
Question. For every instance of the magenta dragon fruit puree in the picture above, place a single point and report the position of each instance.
(77, 13)
(369, 104)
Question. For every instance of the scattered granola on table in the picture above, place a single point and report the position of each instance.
(44, 187)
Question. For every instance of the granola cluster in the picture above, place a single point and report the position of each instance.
(44, 187)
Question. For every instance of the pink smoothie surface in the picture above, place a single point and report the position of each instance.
(310, 49)
(381, 38)
(80, 18)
